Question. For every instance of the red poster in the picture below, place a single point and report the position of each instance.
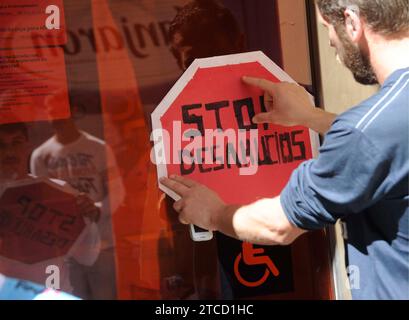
(33, 85)
(29, 23)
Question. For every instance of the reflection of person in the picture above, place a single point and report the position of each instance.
(362, 172)
(14, 153)
(86, 163)
(204, 28)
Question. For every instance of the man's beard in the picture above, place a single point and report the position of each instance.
(356, 61)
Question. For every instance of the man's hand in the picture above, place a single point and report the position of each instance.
(87, 208)
(199, 205)
(289, 104)
(263, 222)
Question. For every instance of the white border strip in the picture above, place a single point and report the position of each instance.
(385, 106)
(381, 100)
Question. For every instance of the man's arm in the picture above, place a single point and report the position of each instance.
(289, 104)
(320, 121)
(263, 222)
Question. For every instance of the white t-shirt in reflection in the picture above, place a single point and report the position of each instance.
(86, 164)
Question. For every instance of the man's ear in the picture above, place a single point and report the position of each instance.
(353, 24)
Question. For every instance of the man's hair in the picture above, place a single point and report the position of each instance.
(389, 18)
(204, 17)
(14, 127)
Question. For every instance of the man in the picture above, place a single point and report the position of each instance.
(362, 172)
(85, 163)
(14, 158)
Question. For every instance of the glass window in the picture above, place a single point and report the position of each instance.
(80, 207)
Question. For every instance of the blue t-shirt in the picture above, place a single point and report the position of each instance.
(362, 177)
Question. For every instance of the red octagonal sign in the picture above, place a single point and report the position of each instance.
(203, 130)
(38, 221)
(210, 98)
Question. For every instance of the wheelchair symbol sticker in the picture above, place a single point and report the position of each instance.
(251, 256)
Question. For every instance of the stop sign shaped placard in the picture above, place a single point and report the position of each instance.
(203, 130)
(38, 221)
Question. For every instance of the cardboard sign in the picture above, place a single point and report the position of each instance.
(38, 221)
(33, 85)
(242, 161)
(211, 95)
(27, 24)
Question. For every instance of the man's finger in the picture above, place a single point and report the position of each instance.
(262, 118)
(186, 181)
(263, 84)
(182, 220)
(178, 206)
(175, 186)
